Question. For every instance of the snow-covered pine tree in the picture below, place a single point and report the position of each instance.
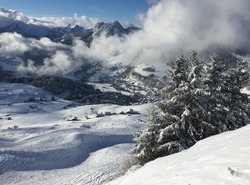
(196, 104)
(215, 111)
(180, 120)
(194, 117)
(160, 120)
(228, 106)
(146, 149)
(236, 102)
(189, 100)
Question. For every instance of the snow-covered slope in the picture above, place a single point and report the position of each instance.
(40, 143)
(222, 159)
(53, 142)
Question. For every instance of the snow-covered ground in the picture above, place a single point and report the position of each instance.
(218, 160)
(39, 145)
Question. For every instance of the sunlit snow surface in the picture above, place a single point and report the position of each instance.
(46, 148)
(218, 160)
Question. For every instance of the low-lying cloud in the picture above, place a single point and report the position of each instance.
(174, 27)
(12, 44)
(60, 59)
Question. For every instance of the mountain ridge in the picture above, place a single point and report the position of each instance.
(17, 22)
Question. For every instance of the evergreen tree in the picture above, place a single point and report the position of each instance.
(237, 103)
(214, 86)
(147, 139)
(198, 102)
(228, 106)
(177, 123)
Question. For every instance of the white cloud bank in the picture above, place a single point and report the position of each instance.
(9, 16)
(170, 27)
(84, 21)
(173, 27)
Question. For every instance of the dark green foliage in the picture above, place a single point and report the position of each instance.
(228, 108)
(4, 75)
(56, 85)
(108, 98)
(73, 90)
(59, 85)
(199, 101)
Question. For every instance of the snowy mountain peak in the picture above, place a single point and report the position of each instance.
(14, 21)
(99, 25)
(77, 28)
(116, 24)
(112, 28)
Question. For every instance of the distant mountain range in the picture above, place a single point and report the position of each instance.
(13, 21)
(87, 35)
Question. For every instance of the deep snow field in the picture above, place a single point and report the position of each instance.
(46, 148)
(39, 145)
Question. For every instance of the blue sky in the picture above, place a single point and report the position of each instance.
(105, 10)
